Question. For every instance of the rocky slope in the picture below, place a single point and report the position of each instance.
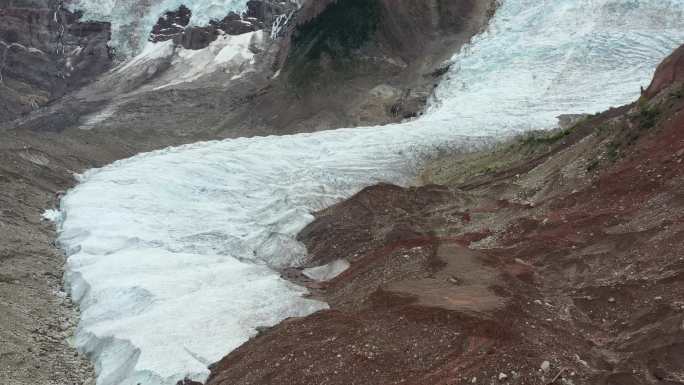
(52, 139)
(46, 52)
(552, 259)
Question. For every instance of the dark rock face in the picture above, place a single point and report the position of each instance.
(196, 37)
(267, 12)
(45, 51)
(261, 14)
(399, 29)
(343, 26)
(170, 25)
(188, 381)
(201, 37)
(234, 24)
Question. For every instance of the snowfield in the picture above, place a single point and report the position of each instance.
(172, 253)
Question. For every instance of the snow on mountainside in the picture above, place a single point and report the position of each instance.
(232, 55)
(171, 252)
(132, 20)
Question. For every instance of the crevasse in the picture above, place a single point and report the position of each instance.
(171, 253)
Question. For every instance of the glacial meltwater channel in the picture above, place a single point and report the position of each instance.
(171, 252)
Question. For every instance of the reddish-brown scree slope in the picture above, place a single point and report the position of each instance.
(557, 258)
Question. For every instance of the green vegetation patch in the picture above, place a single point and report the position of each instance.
(457, 169)
(648, 117)
(677, 94)
(545, 138)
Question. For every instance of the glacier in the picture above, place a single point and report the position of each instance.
(173, 254)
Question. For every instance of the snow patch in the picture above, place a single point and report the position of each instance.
(327, 272)
(150, 54)
(232, 55)
(92, 120)
(52, 215)
(36, 51)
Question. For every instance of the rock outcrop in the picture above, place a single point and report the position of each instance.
(260, 15)
(170, 25)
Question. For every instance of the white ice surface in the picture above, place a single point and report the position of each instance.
(52, 215)
(170, 251)
(328, 271)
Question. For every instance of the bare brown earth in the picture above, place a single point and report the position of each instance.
(40, 154)
(554, 259)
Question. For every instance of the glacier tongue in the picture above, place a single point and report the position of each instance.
(171, 253)
(541, 59)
